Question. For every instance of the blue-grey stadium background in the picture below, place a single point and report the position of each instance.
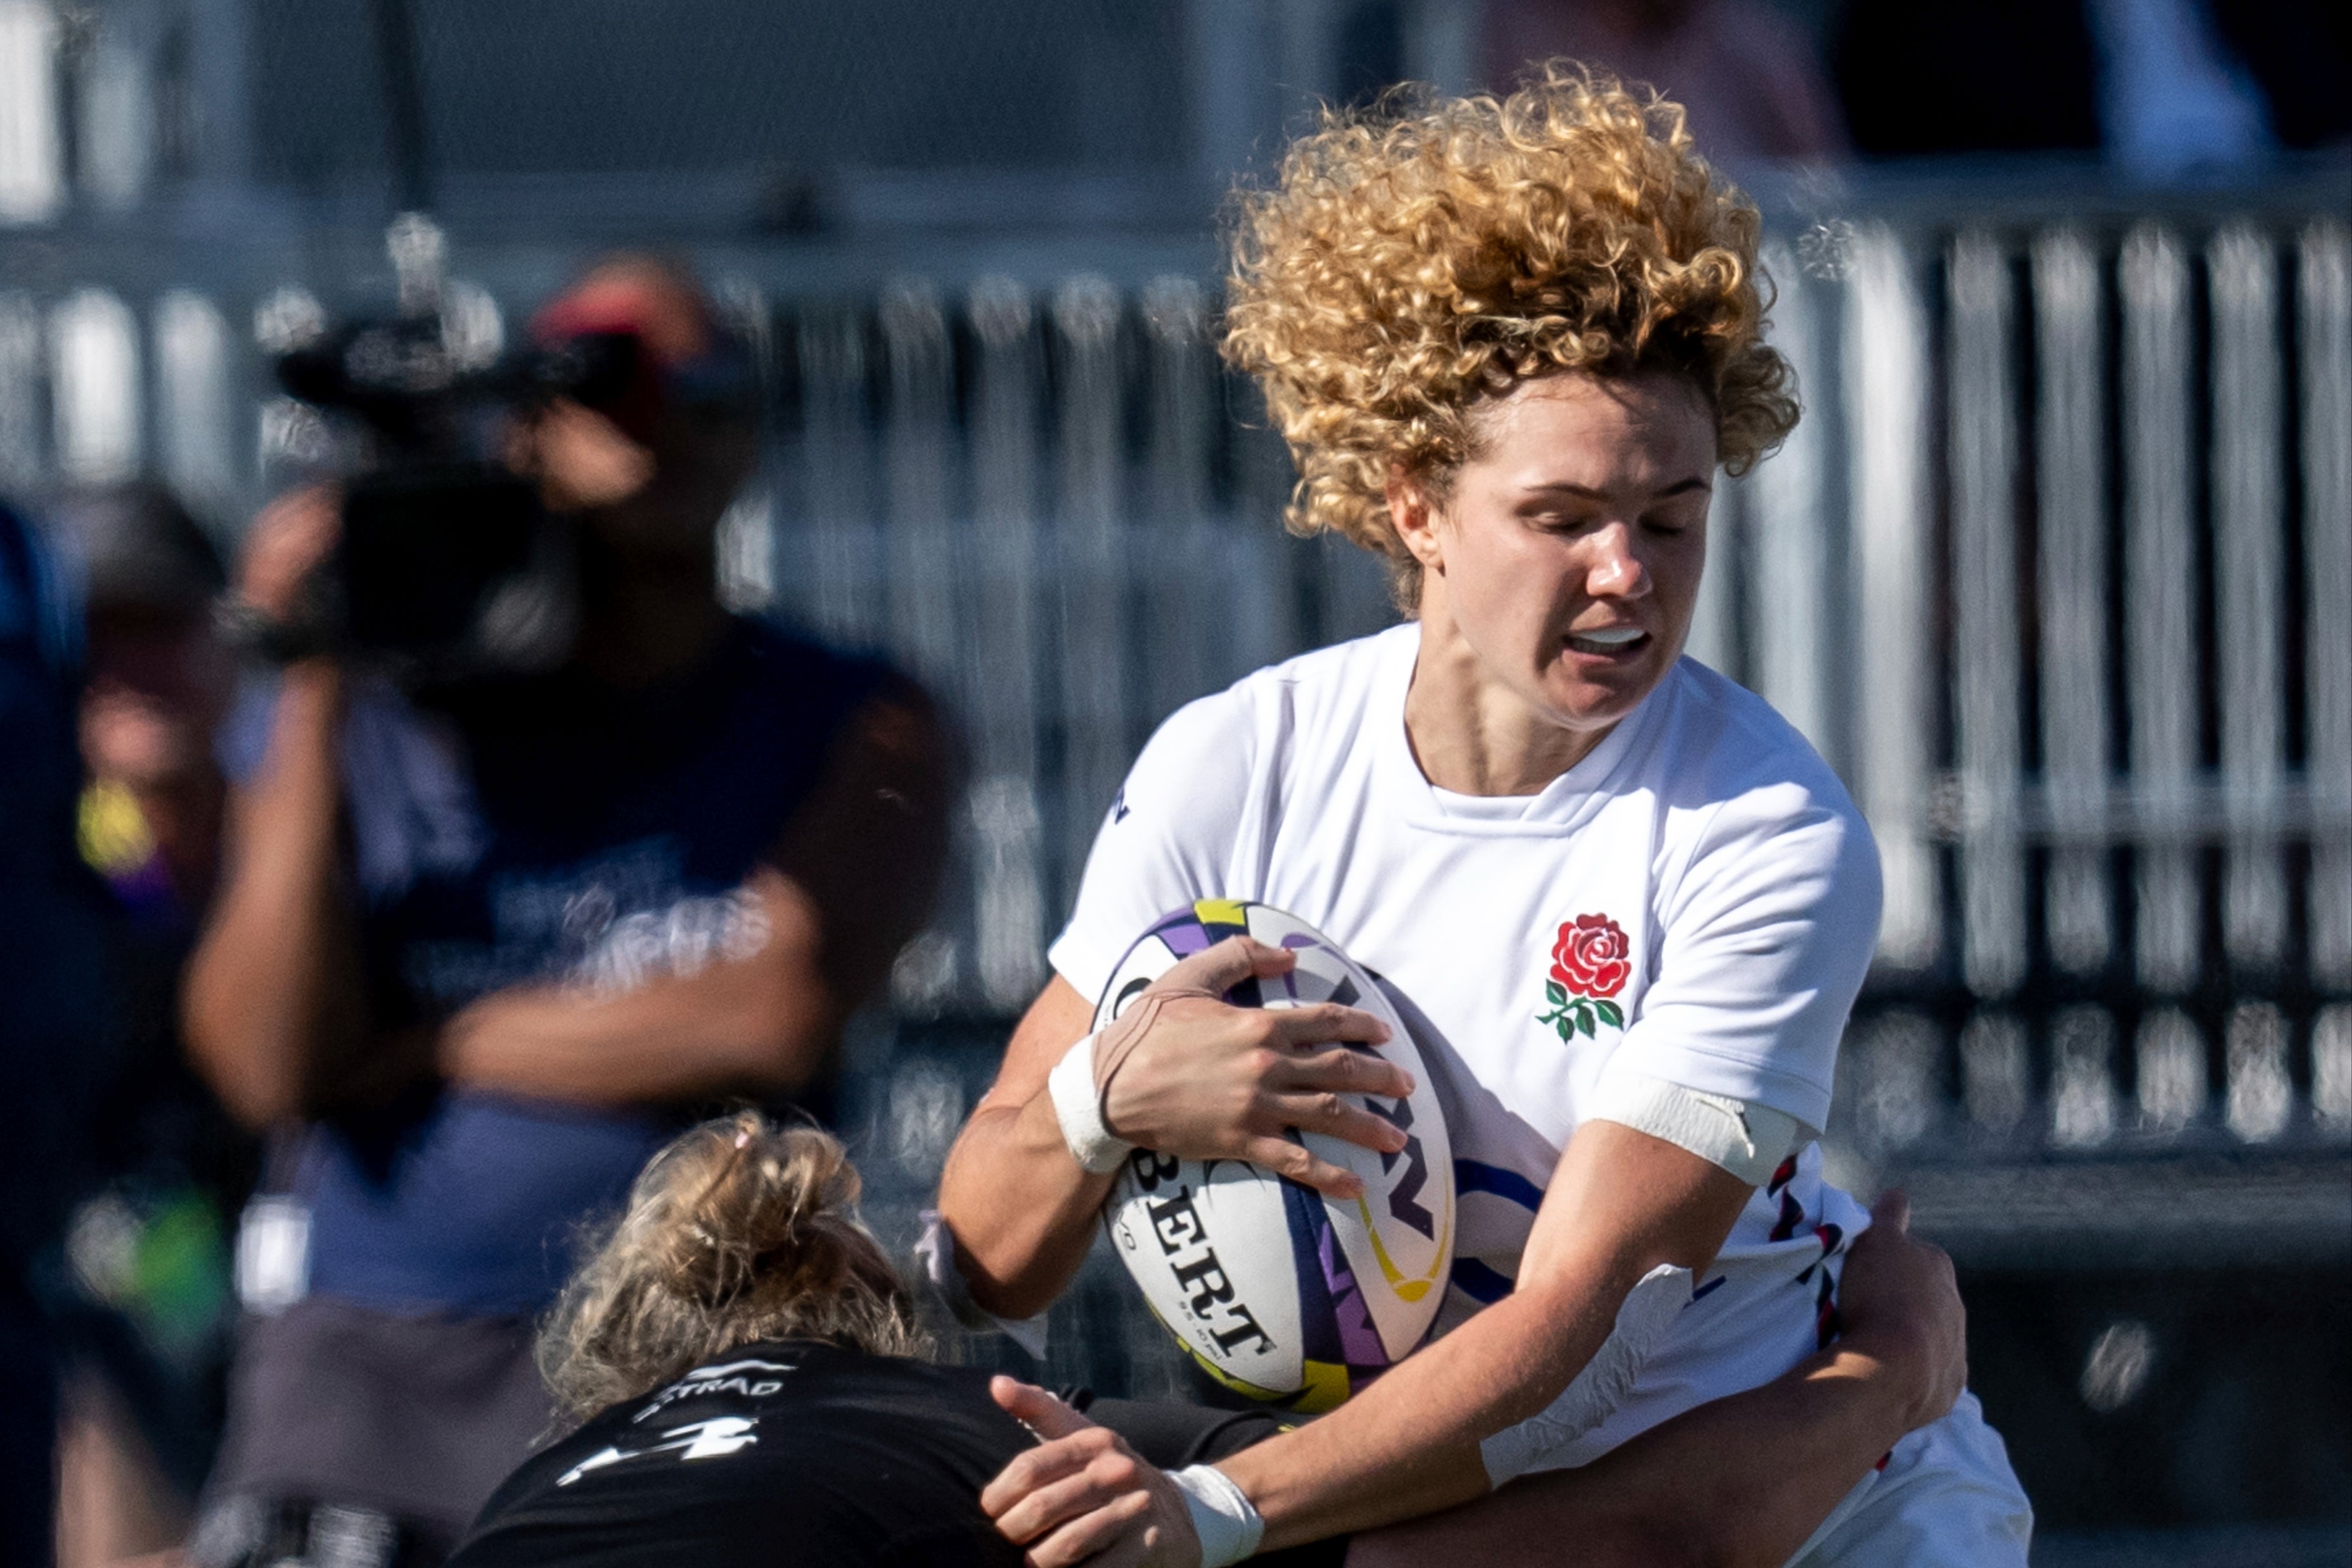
(2054, 573)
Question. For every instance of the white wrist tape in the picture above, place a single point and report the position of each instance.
(1228, 1526)
(1077, 1106)
(1649, 1309)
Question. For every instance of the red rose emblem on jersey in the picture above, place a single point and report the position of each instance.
(1589, 957)
(1590, 961)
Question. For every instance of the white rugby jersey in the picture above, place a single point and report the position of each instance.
(1696, 900)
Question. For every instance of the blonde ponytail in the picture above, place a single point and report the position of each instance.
(740, 1230)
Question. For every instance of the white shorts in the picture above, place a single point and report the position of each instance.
(1946, 1499)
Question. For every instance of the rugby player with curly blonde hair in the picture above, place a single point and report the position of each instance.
(1511, 343)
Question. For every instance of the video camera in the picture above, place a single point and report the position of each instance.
(447, 566)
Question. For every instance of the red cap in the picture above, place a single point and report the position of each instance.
(669, 321)
(663, 312)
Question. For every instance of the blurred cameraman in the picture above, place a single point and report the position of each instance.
(481, 950)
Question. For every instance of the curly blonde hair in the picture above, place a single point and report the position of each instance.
(738, 1230)
(1418, 260)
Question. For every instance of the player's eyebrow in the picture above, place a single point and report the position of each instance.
(1586, 492)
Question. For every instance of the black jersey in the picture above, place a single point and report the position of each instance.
(783, 1453)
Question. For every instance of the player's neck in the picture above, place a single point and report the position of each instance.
(1470, 732)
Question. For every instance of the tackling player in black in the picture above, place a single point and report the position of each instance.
(754, 1364)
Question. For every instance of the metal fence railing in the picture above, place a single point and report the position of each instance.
(2053, 572)
(2096, 692)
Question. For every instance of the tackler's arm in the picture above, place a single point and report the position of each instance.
(1621, 1205)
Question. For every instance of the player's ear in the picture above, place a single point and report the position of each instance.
(1414, 514)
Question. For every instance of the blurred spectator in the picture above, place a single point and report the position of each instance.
(2300, 54)
(159, 683)
(2166, 87)
(142, 1330)
(51, 1042)
(2172, 99)
(1754, 88)
(1967, 75)
(481, 950)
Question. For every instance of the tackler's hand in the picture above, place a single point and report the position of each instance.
(1187, 1073)
(1899, 1300)
(1082, 1495)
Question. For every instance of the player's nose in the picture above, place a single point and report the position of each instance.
(1614, 568)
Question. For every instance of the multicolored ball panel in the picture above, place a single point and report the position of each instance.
(1277, 1293)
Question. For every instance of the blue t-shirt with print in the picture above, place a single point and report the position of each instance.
(532, 830)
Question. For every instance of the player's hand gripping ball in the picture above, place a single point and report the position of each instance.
(1280, 1291)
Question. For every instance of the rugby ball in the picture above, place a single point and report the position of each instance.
(1277, 1291)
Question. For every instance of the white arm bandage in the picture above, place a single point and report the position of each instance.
(1649, 1311)
(1746, 1139)
(1222, 1517)
(1077, 1106)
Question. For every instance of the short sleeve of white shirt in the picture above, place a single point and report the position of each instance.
(1167, 840)
(1764, 940)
